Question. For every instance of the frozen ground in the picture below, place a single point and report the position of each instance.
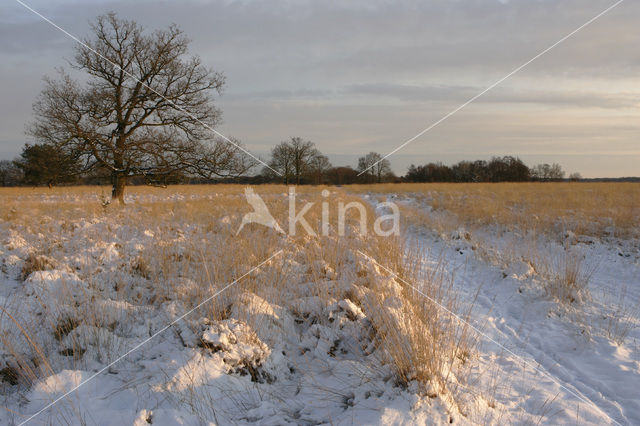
(79, 292)
(575, 363)
(304, 360)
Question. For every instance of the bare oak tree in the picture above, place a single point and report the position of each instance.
(141, 110)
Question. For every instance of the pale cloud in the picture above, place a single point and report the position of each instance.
(362, 75)
(583, 99)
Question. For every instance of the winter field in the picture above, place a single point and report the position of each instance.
(497, 304)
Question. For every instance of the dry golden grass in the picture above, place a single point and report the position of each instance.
(594, 209)
(553, 210)
(195, 252)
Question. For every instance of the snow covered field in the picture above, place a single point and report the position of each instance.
(159, 313)
(549, 353)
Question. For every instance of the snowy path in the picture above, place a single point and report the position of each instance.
(578, 364)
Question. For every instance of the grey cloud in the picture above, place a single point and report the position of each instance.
(366, 72)
(499, 95)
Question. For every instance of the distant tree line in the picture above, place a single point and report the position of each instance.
(498, 169)
(293, 161)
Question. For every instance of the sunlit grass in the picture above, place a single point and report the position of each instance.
(595, 209)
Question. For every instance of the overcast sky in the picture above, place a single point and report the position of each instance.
(362, 76)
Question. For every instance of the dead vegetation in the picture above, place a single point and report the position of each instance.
(590, 209)
(171, 249)
(35, 263)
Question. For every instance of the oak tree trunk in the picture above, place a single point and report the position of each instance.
(119, 183)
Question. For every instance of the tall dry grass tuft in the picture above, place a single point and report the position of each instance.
(572, 283)
(423, 340)
(622, 318)
(564, 276)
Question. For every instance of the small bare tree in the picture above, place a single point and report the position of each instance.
(318, 168)
(293, 158)
(10, 174)
(575, 177)
(374, 167)
(141, 110)
(303, 152)
(281, 161)
(547, 172)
